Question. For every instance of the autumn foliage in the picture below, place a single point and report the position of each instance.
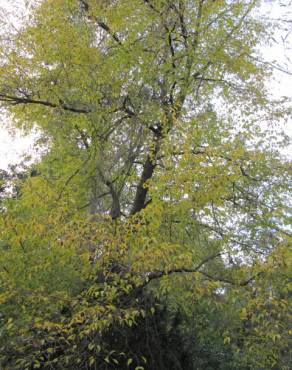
(153, 231)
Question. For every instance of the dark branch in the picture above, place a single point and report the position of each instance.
(115, 211)
(70, 178)
(151, 6)
(159, 274)
(100, 23)
(106, 28)
(147, 173)
(231, 282)
(15, 100)
(83, 136)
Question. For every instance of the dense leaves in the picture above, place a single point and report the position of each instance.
(153, 232)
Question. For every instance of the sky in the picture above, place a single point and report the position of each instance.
(13, 145)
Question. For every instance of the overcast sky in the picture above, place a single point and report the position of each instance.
(14, 145)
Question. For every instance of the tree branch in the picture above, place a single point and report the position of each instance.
(147, 173)
(15, 100)
(151, 6)
(115, 211)
(100, 23)
(159, 274)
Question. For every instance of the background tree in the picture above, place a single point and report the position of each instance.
(160, 198)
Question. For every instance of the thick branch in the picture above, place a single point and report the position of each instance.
(106, 28)
(115, 211)
(151, 6)
(147, 173)
(100, 23)
(15, 100)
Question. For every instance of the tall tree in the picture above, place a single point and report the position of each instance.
(157, 177)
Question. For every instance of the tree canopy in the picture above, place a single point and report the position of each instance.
(153, 232)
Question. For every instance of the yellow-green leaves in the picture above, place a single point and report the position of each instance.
(154, 227)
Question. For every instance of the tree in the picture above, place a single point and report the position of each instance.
(158, 181)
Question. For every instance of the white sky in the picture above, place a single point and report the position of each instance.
(14, 146)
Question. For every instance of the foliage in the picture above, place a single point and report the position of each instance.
(154, 231)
